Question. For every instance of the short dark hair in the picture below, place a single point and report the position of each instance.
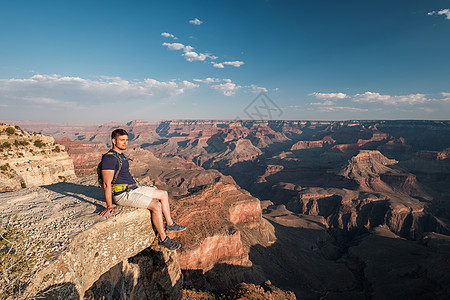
(118, 132)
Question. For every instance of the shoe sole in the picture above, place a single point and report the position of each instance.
(173, 230)
(179, 246)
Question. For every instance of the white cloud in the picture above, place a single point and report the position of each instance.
(57, 90)
(445, 12)
(370, 97)
(340, 108)
(195, 21)
(221, 65)
(189, 54)
(327, 102)
(446, 96)
(174, 46)
(329, 95)
(235, 63)
(166, 34)
(192, 56)
(228, 89)
(217, 65)
(207, 80)
(257, 89)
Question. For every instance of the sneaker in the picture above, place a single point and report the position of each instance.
(174, 227)
(169, 243)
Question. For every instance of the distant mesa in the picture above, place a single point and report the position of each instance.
(367, 164)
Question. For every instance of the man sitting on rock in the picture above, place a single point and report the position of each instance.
(120, 186)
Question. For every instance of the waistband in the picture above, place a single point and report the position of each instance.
(130, 187)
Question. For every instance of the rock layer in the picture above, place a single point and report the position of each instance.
(31, 159)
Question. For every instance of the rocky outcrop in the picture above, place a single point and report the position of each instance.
(150, 274)
(265, 290)
(367, 164)
(444, 155)
(313, 144)
(349, 210)
(434, 155)
(84, 246)
(220, 217)
(31, 159)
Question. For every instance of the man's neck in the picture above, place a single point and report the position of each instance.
(117, 150)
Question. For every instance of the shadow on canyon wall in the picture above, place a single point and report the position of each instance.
(355, 265)
(121, 282)
(151, 274)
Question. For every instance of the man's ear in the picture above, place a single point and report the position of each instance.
(113, 142)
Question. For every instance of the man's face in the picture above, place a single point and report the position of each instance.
(121, 142)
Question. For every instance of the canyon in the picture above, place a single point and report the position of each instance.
(329, 210)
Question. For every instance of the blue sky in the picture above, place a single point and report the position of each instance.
(100, 61)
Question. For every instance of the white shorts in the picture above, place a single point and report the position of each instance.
(139, 197)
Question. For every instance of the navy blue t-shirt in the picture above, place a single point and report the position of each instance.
(110, 162)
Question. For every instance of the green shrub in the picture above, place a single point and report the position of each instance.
(10, 130)
(23, 185)
(5, 145)
(21, 143)
(4, 167)
(56, 149)
(38, 143)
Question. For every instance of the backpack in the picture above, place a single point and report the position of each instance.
(99, 168)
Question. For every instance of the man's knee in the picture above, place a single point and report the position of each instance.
(160, 194)
(155, 205)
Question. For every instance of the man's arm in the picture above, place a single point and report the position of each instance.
(107, 176)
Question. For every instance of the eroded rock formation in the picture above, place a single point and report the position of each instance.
(30, 159)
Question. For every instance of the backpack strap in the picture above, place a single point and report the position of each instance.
(116, 155)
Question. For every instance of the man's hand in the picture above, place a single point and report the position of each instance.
(108, 210)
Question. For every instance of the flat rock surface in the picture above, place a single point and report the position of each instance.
(63, 220)
(57, 212)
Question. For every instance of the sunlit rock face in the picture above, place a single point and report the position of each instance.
(31, 159)
(223, 222)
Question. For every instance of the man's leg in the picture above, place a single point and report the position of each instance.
(142, 198)
(163, 198)
(157, 218)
